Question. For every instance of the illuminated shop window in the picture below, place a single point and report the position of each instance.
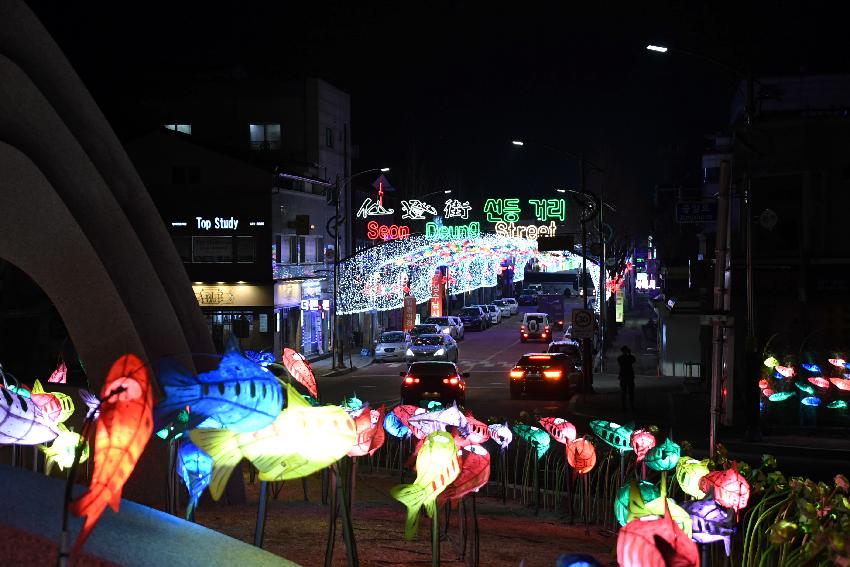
(265, 136)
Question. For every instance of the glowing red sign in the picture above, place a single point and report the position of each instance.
(375, 231)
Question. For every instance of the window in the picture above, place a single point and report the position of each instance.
(212, 249)
(184, 247)
(302, 249)
(329, 137)
(245, 249)
(320, 249)
(265, 136)
(182, 128)
(293, 249)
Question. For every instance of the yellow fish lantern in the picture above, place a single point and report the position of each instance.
(688, 474)
(436, 468)
(638, 508)
(62, 450)
(300, 441)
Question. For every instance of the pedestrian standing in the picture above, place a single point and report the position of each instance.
(626, 361)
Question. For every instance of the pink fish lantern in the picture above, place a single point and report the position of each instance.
(60, 375)
(787, 371)
(475, 433)
(474, 474)
(300, 369)
(370, 437)
(841, 383)
(838, 362)
(404, 413)
(819, 382)
(642, 441)
(560, 429)
(581, 454)
(731, 490)
(49, 405)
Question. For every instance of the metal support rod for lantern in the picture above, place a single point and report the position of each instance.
(536, 484)
(435, 538)
(262, 509)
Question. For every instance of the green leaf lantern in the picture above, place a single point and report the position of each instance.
(648, 492)
(616, 435)
(534, 436)
(664, 457)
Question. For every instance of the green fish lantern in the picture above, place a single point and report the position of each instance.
(436, 468)
(616, 435)
(688, 474)
(538, 438)
(663, 457)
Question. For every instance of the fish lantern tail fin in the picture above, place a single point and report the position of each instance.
(221, 445)
(412, 496)
(91, 505)
(178, 384)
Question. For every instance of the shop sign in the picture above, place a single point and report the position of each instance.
(375, 231)
(219, 223)
(621, 301)
(409, 318)
(510, 211)
(441, 232)
(530, 232)
(437, 295)
(315, 305)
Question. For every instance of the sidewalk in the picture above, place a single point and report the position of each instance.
(323, 367)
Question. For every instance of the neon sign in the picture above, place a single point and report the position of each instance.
(375, 231)
(221, 223)
(502, 210)
(455, 208)
(546, 209)
(438, 231)
(370, 209)
(530, 232)
(415, 209)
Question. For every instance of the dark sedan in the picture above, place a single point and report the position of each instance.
(427, 381)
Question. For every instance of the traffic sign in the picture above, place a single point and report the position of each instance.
(582, 324)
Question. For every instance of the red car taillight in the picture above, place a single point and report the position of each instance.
(517, 373)
(552, 374)
(522, 327)
(411, 380)
(452, 381)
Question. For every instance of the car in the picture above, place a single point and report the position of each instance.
(512, 303)
(392, 345)
(503, 307)
(538, 372)
(473, 317)
(458, 325)
(570, 347)
(534, 289)
(527, 299)
(447, 326)
(495, 313)
(424, 329)
(428, 381)
(535, 326)
(435, 346)
(553, 305)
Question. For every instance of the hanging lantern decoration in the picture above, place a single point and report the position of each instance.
(438, 420)
(47, 403)
(300, 370)
(21, 421)
(195, 468)
(811, 401)
(394, 426)
(763, 383)
(813, 368)
(838, 362)
(710, 523)
(616, 435)
(771, 362)
(730, 488)
(639, 544)
(767, 392)
(837, 405)
(404, 413)
(370, 437)
(501, 434)
(581, 455)
(819, 382)
(642, 441)
(842, 384)
(534, 436)
(475, 432)
(688, 474)
(436, 468)
(60, 375)
(648, 492)
(781, 396)
(663, 457)
(123, 431)
(786, 371)
(560, 429)
(805, 388)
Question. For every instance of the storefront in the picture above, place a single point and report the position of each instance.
(243, 310)
(304, 309)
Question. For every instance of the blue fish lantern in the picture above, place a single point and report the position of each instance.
(813, 368)
(616, 435)
(394, 426)
(238, 395)
(261, 357)
(195, 467)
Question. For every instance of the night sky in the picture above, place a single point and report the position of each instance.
(447, 85)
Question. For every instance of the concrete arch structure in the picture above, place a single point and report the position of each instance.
(76, 218)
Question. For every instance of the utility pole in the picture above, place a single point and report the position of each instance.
(338, 361)
(587, 349)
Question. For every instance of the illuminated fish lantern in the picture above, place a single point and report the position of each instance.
(302, 440)
(560, 429)
(123, 430)
(404, 413)
(771, 362)
(195, 468)
(92, 404)
(842, 384)
(819, 382)
(47, 403)
(474, 474)
(262, 357)
(616, 435)
(710, 523)
(436, 468)
(581, 455)
(439, 420)
(177, 427)
(688, 474)
(838, 362)
(655, 543)
(813, 368)
(22, 422)
(648, 492)
(730, 488)
(352, 405)
(642, 441)
(639, 508)
(786, 371)
(475, 433)
(63, 450)
(501, 434)
(370, 436)
(534, 436)
(238, 395)
(60, 375)
(296, 364)
(663, 457)
(394, 426)
(21, 390)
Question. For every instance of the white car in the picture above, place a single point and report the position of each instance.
(503, 307)
(448, 326)
(458, 323)
(495, 313)
(392, 345)
(512, 303)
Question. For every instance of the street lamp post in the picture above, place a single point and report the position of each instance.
(338, 361)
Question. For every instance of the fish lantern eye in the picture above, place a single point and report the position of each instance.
(132, 390)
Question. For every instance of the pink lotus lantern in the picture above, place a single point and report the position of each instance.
(642, 441)
(560, 429)
(730, 488)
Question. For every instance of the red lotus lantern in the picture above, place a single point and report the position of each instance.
(730, 488)
(581, 454)
(642, 441)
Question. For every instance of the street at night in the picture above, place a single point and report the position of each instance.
(329, 283)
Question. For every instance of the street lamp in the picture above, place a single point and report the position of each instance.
(338, 358)
(444, 192)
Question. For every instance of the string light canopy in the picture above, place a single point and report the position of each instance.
(380, 277)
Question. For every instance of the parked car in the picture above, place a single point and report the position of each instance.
(458, 325)
(432, 347)
(428, 381)
(392, 345)
(494, 312)
(474, 317)
(535, 326)
(537, 372)
(424, 329)
(504, 308)
(570, 347)
(512, 303)
(447, 326)
(534, 289)
(527, 299)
